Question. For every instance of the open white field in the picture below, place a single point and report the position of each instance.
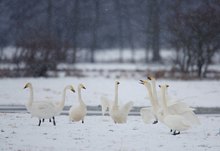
(20, 132)
(194, 93)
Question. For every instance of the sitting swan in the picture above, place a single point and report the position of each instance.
(45, 109)
(174, 122)
(119, 114)
(78, 113)
(176, 107)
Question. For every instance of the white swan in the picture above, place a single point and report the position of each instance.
(119, 114)
(78, 113)
(45, 109)
(149, 113)
(174, 122)
(176, 107)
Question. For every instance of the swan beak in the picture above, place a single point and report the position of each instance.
(84, 87)
(73, 90)
(118, 82)
(25, 86)
(149, 78)
(141, 82)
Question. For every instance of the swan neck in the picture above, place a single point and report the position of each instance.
(116, 94)
(164, 100)
(79, 96)
(155, 92)
(31, 96)
(63, 97)
(151, 97)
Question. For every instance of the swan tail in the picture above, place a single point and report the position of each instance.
(105, 104)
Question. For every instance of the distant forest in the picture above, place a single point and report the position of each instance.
(54, 31)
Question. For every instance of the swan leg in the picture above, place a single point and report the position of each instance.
(82, 121)
(155, 122)
(171, 130)
(176, 133)
(43, 120)
(39, 122)
(54, 123)
(49, 120)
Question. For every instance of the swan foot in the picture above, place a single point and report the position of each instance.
(39, 122)
(54, 123)
(176, 133)
(155, 122)
(82, 121)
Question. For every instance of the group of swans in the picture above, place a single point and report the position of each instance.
(176, 115)
(49, 109)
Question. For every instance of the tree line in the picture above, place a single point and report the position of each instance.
(47, 32)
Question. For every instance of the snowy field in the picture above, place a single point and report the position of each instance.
(194, 93)
(19, 132)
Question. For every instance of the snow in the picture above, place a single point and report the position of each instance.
(194, 93)
(20, 132)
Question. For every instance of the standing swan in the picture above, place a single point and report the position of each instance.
(148, 113)
(119, 115)
(174, 122)
(44, 109)
(78, 113)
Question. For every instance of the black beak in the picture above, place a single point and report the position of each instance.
(73, 90)
(25, 87)
(84, 87)
(118, 82)
(141, 82)
(149, 78)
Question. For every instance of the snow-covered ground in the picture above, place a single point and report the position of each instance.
(20, 132)
(194, 93)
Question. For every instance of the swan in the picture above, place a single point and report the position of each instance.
(174, 122)
(78, 113)
(45, 109)
(176, 107)
(119, 114)
(148, 113)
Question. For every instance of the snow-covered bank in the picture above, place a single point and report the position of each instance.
(194, 93)
(20, 132)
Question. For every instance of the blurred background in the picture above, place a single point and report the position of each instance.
(130, 38)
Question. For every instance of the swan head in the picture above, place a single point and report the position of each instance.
(28, 85)
(82, 86)
(145, 82)
(164, 86)
(70, 87)
(117, 82)
(151, 78)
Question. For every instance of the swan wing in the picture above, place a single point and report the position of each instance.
(105, 104)
(147, 115)
(191, 117)
(127, 107)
